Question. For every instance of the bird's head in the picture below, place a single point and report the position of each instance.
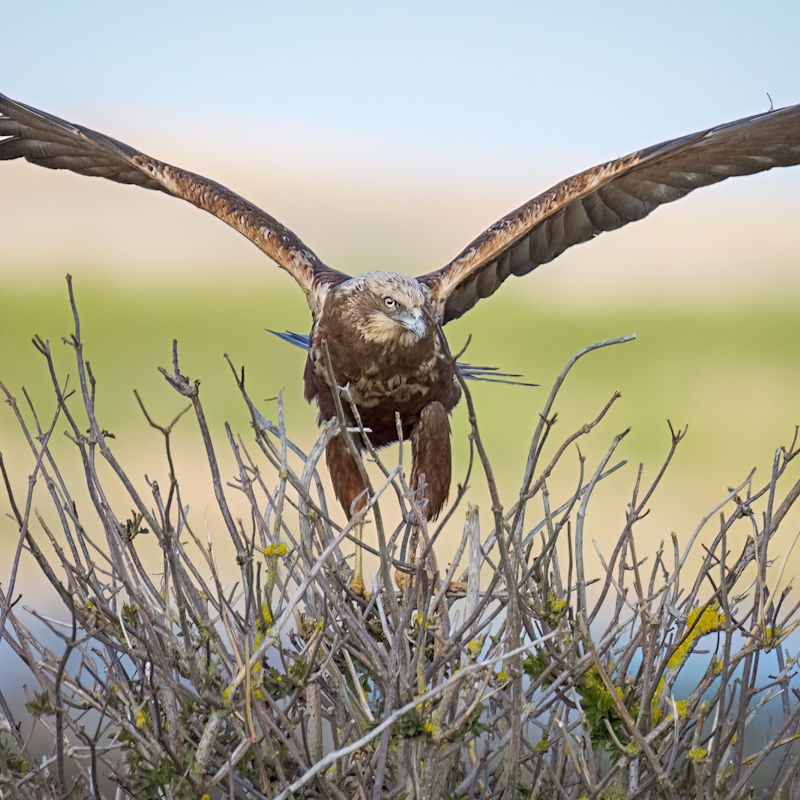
(390, 308)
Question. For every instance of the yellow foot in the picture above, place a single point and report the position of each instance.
(454, 588)
(357, 587)
(357, 584)
(401, 579)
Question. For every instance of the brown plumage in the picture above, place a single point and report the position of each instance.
(381, 328)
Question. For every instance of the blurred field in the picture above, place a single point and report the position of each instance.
(730, 373)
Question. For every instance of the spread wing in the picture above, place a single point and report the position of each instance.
(609, 196)
(51, 142)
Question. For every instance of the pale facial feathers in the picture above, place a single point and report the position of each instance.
(388, 308)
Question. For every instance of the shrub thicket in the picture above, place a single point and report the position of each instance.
(511, 674)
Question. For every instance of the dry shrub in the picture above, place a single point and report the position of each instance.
(530, 679)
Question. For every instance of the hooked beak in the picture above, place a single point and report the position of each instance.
(412, 319)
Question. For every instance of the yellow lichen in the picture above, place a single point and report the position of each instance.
(698, 754)
(701, 620)
(474, 647)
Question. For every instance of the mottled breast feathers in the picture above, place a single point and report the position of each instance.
(381, 335)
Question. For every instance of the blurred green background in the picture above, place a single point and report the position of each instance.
(728, 372)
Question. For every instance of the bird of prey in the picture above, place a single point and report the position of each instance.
(382, 329)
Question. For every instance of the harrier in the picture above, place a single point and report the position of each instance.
(382, 329)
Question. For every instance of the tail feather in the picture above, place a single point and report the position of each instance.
(471, 372)
(297, 339)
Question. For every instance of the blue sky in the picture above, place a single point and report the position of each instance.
(599, 78)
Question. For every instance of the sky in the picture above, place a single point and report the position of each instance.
(389, 135)
(431, 75)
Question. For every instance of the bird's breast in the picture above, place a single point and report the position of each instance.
(376, 384)
(382, 384)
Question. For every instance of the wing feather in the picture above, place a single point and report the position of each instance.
(609, 196)
(46, 140)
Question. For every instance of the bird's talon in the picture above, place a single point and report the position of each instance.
(456, 588)
(357, 587)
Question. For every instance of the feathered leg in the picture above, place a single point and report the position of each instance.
(348, 485)
(430, 447)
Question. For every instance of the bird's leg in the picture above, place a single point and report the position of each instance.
(430, 449)
(430, 472)
(357, 584)
(348, 485)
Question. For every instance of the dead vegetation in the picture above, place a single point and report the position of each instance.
(536, 679)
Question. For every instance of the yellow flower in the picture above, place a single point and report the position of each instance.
(141, 719)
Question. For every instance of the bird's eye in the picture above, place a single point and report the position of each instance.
(389, 302)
